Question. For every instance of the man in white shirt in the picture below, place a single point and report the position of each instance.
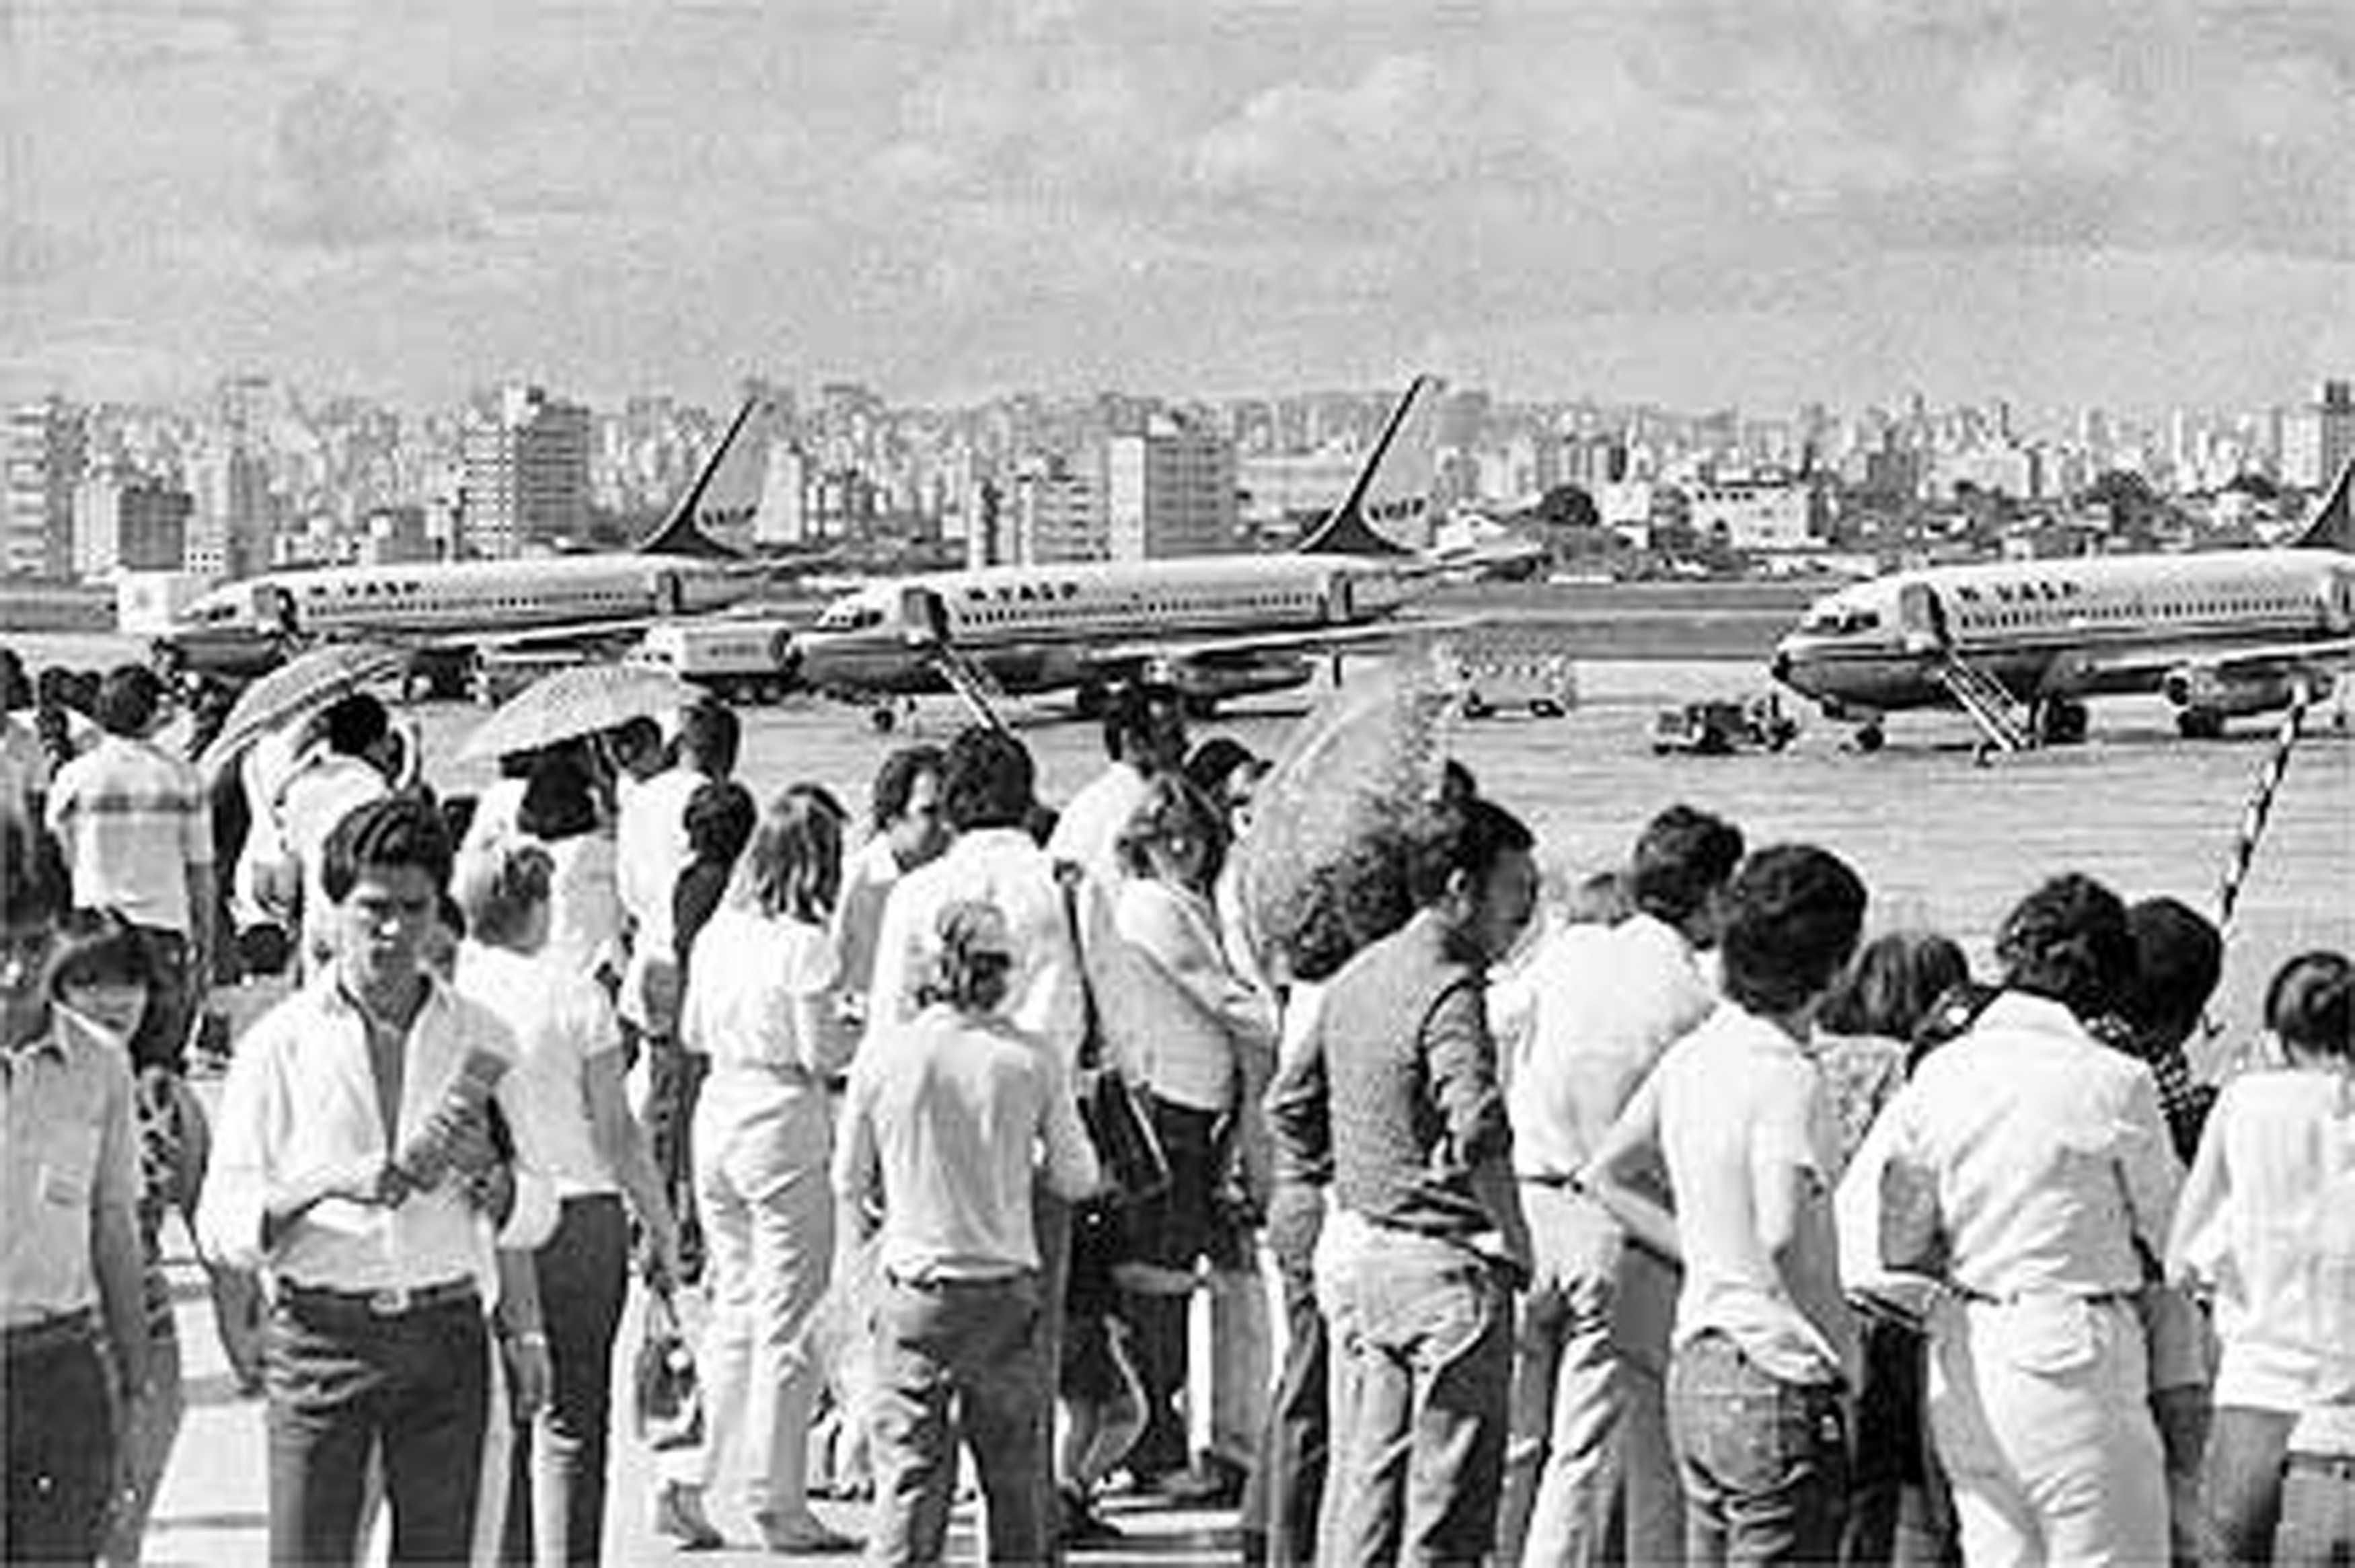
(354, 1161)
(650, 850)
(2053, 1177)
(353, 767)
(952, 1116)
(1143, 736)
(137, 828)
(909, 830)
(1764, 1348)
(986, 788)
(1589, 1473)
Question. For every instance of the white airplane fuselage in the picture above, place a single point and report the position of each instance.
(2219, 635)
(1046, 628)
(247, 625)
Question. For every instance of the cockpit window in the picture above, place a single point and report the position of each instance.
(1838, 620)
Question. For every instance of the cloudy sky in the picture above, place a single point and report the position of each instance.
(2132, 202)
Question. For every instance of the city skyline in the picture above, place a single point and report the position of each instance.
(1689, 204)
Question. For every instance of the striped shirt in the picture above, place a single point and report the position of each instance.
(133, 820)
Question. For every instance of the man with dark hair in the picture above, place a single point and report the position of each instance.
(1143, 736)
(987, 785)
(2052, 1180)
(1396, 1086)
(72, 1302)
(353, 764)
(909, 827)
(354, 1161)
(135, 824)
(948, 1114)
(1738, 1113)
(1590, 1475)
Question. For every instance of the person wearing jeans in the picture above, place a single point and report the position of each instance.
(2268, 1219)
(943, 1126)
(569, 1067)
(1395, 1087)
(1763, 1349)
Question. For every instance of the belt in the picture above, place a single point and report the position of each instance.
(2090, 1298)
(2336, 1467)
(934, 1284)
(45, 1335)
(393, 1301)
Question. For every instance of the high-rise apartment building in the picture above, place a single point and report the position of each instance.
(232, 529)
(1058, 514)
(128, 522)
(782, 516)
(1169, 492)
(42, 450)
(525, 457)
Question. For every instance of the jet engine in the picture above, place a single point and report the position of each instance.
(2199, 687)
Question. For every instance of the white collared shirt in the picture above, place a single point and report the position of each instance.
(756, 993)
(560, 1019)
(133, 820)
(1740, 1104)
(2269, 1216)
(1087, 833)
(301, 1099)
(1604, 1003)
(1000, 866)
(2049, 1154)
(650, 850)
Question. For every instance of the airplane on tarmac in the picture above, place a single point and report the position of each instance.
(2020, 645)
(1214, 627)
(454, 612)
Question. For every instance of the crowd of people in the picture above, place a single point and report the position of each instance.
(1659, 1218)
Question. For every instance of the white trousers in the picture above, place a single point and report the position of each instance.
(2041, 1412)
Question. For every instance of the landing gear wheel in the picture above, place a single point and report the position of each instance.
(2060, 721)
(1871, 738)
(884, 717)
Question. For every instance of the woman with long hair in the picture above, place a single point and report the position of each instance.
(760, 1006)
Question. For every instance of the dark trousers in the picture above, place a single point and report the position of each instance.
(61, 1443)
(174, 992)
(1175, 1232)
(951, 1359)
(1764, 1462)
(343, 1382)
(674, 1082)
(1287, 1488)
(556, 1472)
(1898, 1508)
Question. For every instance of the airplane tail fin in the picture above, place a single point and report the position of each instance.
(1392, 492)
(2332, 527)
(725, 494)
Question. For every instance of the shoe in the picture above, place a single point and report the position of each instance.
(1213, 1483)
(1081, 1525)
(679, 1518)
(806, 1536)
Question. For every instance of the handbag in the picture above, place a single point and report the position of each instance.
(669, 1397)
(1913, 1235)
(1119, 1122)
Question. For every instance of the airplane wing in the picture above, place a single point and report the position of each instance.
(1244, 646)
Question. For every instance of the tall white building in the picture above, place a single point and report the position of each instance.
(231, 530)
(525, 460)
(136, 523)
(784, 514)
(1058, 514)
(42, 450)
(1169, 492)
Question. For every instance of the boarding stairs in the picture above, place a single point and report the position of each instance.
(972, 683)
(2000, 720)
